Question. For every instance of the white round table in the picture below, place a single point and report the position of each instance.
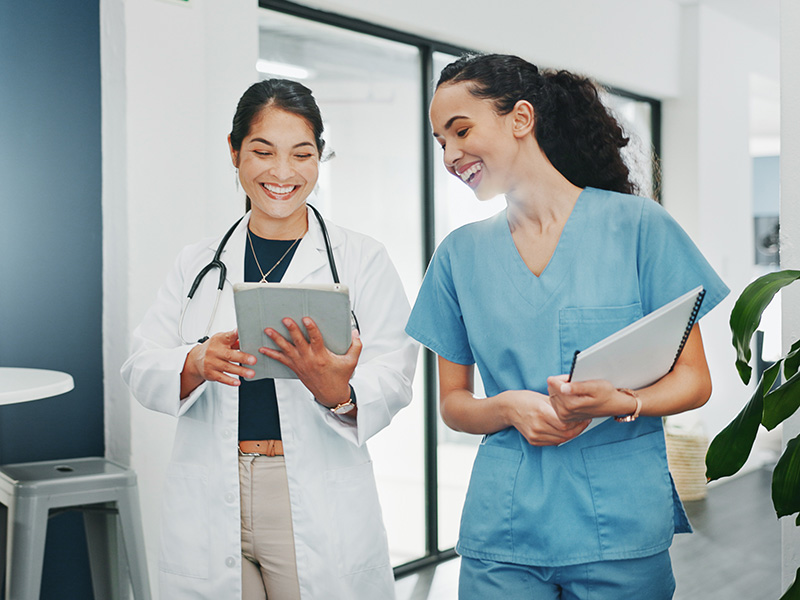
(24, 385)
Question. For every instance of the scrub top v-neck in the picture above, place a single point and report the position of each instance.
(608, 493)
(537, 289)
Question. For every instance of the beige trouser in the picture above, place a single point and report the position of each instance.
(269, 570)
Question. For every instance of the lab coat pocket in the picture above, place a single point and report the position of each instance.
(486, 519)
(581, 327)
(358, 532)
(632, 493)
(185, 522)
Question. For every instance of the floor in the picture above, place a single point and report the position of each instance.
(733, 553)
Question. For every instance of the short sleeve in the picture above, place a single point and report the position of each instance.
(436, 320)
(670, 264)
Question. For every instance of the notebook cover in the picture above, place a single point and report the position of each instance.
(643, 352)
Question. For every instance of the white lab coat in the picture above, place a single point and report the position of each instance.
(340, 540)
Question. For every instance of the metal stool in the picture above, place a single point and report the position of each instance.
(107, 494)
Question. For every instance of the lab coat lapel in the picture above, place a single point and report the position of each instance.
(309, 257)
(233, 254)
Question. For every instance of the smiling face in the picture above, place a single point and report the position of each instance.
(278, 168)
(479, 145)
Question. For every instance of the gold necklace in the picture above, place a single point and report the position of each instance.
(260, 270)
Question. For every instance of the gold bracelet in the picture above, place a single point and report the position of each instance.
(635, 414)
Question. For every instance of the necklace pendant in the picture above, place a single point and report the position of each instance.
(264, 279)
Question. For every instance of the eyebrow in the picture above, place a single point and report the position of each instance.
(450, 122)
(268, 143)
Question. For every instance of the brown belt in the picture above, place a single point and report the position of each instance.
(261, 447)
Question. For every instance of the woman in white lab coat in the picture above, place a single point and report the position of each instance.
(297, 516)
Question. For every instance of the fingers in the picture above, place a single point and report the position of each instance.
(314, 334)
(356, 345)
(222, 361)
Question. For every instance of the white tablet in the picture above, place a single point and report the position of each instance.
(262, 305)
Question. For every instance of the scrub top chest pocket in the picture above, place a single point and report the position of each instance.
(579, 328)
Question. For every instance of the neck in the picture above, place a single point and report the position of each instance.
(269, 227)
(541, 196)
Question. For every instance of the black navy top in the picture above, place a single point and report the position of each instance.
(258, 404)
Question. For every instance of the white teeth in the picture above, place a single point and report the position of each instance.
(278, 190)
(466, 174)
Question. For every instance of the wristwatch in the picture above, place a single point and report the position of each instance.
(346, 407)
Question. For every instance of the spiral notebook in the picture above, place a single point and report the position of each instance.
(262, 305)
(643, 352)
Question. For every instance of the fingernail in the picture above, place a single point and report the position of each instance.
(566, 389)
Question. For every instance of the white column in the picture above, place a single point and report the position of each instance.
(790, 229)
(172, 73)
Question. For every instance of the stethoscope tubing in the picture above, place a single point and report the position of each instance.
(216, 263)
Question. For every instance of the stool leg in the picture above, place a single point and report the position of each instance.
(27, 534)
(101, 540)
(133, 542)
(3, 544)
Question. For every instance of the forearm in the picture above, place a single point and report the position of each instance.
(681, 390)
(462, 411)
(191, 379)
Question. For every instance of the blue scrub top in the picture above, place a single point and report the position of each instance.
(608, 493)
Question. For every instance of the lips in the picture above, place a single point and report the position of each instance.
(279, 191)
(469, 174)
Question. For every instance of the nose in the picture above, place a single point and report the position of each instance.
(282, 168)
(452, 154)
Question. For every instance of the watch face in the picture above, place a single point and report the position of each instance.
(343, 409)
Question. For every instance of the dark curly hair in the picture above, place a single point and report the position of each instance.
(577, 133)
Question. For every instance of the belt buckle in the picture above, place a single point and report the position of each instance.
(248, 453)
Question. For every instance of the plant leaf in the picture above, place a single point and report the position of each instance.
(786, 480)
(729, 450)
(746, 314)
(791, 362)
(781, 403)
(793, 593)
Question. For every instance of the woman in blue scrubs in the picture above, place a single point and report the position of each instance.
(574, 257)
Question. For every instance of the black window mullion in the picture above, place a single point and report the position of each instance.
(430, 420)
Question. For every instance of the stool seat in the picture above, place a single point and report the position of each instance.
(107, 494)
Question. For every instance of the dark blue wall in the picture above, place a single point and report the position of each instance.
(50, 244)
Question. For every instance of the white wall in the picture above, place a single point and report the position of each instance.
(627, 43)
(172, 74)
(171, 77)
(708, 172)
(790, 228)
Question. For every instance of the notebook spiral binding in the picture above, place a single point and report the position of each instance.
(689, 325)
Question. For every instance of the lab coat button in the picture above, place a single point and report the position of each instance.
(230, 561)
(227, 434)
(229, 498)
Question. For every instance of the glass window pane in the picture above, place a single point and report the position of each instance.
(368, 90)
(455, 205)
(636, 119)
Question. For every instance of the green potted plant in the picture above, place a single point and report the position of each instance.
(769, 405)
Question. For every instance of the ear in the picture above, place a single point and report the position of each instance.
(234, 153)
(522, 119)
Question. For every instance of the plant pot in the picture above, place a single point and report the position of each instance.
(686, 454)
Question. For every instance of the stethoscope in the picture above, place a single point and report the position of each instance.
(216, 263)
